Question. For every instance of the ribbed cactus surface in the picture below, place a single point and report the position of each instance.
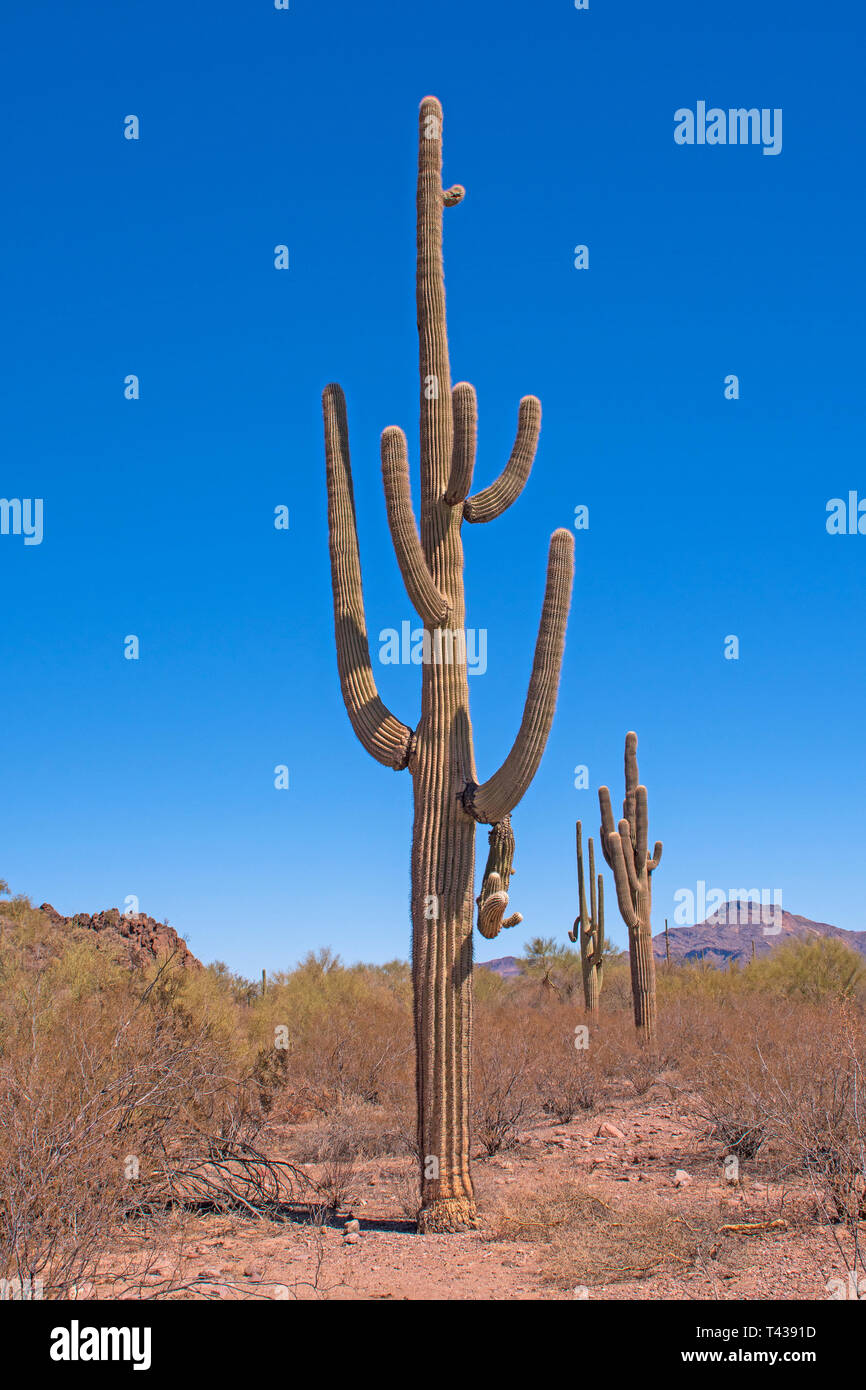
(438, 750)
(589, 926)
(625, 849)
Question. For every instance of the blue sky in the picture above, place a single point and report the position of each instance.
(155, 777)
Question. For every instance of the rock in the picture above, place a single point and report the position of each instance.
(681, 1178)
(143, 938)
(353, 1225)
(351, 1238)
(609, 1131)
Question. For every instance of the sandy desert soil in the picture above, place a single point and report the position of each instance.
(572, 1211)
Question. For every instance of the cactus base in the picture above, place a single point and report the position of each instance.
(448, 1214)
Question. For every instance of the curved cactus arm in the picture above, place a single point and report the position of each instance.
(498, 796)
(492, 501)
(653, 863)
(621, 879)
(464, 409)
(491, 909)
(387, 739)
(624, 830)
(432, 608)
(608, 825)
(493, 899)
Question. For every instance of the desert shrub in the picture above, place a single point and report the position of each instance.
(587, 1241)
(503, 1092)
(570, 1077)
(719, 1061)
(819, 970)
(816, 1102)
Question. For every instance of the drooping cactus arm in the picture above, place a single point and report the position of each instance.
(498, 796)
(491, 909)
(656, 859)
(493, 899)
(492, 501)
(621, 879)
(429, 604)
(464, 409)
(384, 737)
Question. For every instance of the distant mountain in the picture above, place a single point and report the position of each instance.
(728, 934)
(506, 966)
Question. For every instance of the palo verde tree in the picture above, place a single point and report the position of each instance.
(625, 849)
(438, 753)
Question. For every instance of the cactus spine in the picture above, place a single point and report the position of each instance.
(589, 927)
(438, 752)
(625, 849)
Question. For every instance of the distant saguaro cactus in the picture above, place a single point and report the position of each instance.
(625, 849)
(438, 752)
(589, 927)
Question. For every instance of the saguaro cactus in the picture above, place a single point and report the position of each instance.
(493, 898)
(625, 849)
(438, 752)
(589, 927)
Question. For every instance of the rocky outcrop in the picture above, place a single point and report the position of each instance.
(143, 938)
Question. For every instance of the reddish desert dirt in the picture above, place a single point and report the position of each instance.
(639, 1231)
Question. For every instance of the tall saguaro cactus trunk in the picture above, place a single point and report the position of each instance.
(589, 927)
(625, 849)
(448, 801)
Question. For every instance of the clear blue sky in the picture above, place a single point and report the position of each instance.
(707, 516)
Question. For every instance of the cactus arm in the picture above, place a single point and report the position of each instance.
(608, 826)
(656, 859)
(465, 412)
(628, 855)
(492, 501)
(600, 951)
(431, 607)
(387, 739)
(491, 909)
(631, 779)
(493, 899)
(641, 823)
(498, 796)
(618, 860)
(593, 904)
(581, 886)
